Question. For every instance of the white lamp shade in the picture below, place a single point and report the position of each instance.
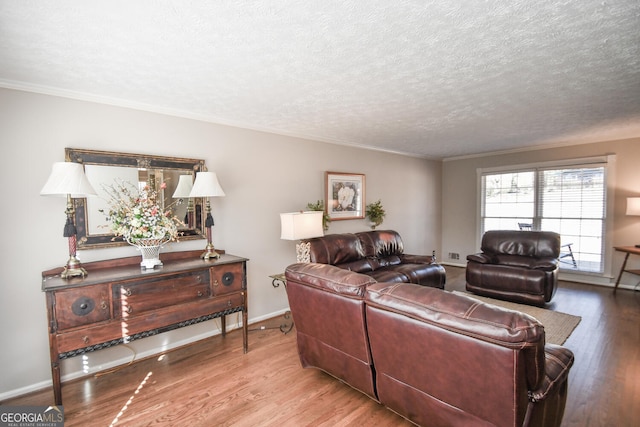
(206, 185)
(301, 225)
(633, 205)
(185, 184)
(67, 178)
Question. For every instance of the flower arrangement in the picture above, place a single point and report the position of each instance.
(136, 214)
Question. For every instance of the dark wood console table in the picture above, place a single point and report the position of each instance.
(118, 302)
(628, 250)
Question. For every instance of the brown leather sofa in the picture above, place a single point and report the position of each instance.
(518, 266)
(379, 254)
(434, 357)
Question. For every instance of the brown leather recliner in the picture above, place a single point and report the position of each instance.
(518, 266)
(434, 357)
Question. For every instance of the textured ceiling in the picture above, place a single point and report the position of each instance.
(427, 78)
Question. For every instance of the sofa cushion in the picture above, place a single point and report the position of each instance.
(537, 244)
(388, 275)
(501, 278)
(336, 249)
(381, 244)
(364, 265)
(547, 264)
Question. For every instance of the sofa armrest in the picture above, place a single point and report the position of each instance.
(545, 264)
(480, 258)
(558, 361)
(416, 259)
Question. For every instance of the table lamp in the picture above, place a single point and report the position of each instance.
(300, 226)
(207, 185)
(183, 189)
(633, 208)
(68, 179)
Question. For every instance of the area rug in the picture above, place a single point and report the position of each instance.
(557, 326)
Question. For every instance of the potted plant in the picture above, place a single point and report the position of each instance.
(319, 206)
(375, 212)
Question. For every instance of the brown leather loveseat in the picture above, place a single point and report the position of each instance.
(379, 254)
(434, 357)
(518, 266)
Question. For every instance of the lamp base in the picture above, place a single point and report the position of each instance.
(68, 273)
(303, 252)
(210, 253)
(73, 269)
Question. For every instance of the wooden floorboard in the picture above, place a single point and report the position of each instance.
(212, 383)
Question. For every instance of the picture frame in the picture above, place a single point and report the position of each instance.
(344, 195)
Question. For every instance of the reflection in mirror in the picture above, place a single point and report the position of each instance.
(184, 207)
(105, 169)
(101, 176)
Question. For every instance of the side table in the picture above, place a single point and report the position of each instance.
(628, 250)
(276, 281)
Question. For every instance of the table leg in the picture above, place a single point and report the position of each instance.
(285, 327)
(624, 264)
(57, 385)
(245, 331)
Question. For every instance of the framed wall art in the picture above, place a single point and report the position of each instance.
(344, 195)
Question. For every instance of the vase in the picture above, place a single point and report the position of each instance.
(150, 251)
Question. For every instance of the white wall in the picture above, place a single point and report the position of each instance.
(460, 199)
(262, 175)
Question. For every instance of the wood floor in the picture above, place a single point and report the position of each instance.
(212, 383)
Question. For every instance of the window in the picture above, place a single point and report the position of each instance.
(570, 200)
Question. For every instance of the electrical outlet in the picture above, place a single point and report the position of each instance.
(454, 255)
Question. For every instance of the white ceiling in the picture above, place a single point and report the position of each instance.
(427, 78)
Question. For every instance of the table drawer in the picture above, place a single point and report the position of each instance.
(109, 333)
(130, 299)
(227, 278)
(82, 306)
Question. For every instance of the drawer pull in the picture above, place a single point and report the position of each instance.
(228, 278)
(199, 293)
(127, 292)
(129, 310)
(229, 303)
(103, 305)
(215, 283)
(85, 339)
(83, 306)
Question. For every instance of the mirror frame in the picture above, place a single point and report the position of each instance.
(108, 158)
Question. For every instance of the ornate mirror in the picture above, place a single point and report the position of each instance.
(105, 169)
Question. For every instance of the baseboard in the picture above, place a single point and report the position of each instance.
(453, 264)
(114, 357)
